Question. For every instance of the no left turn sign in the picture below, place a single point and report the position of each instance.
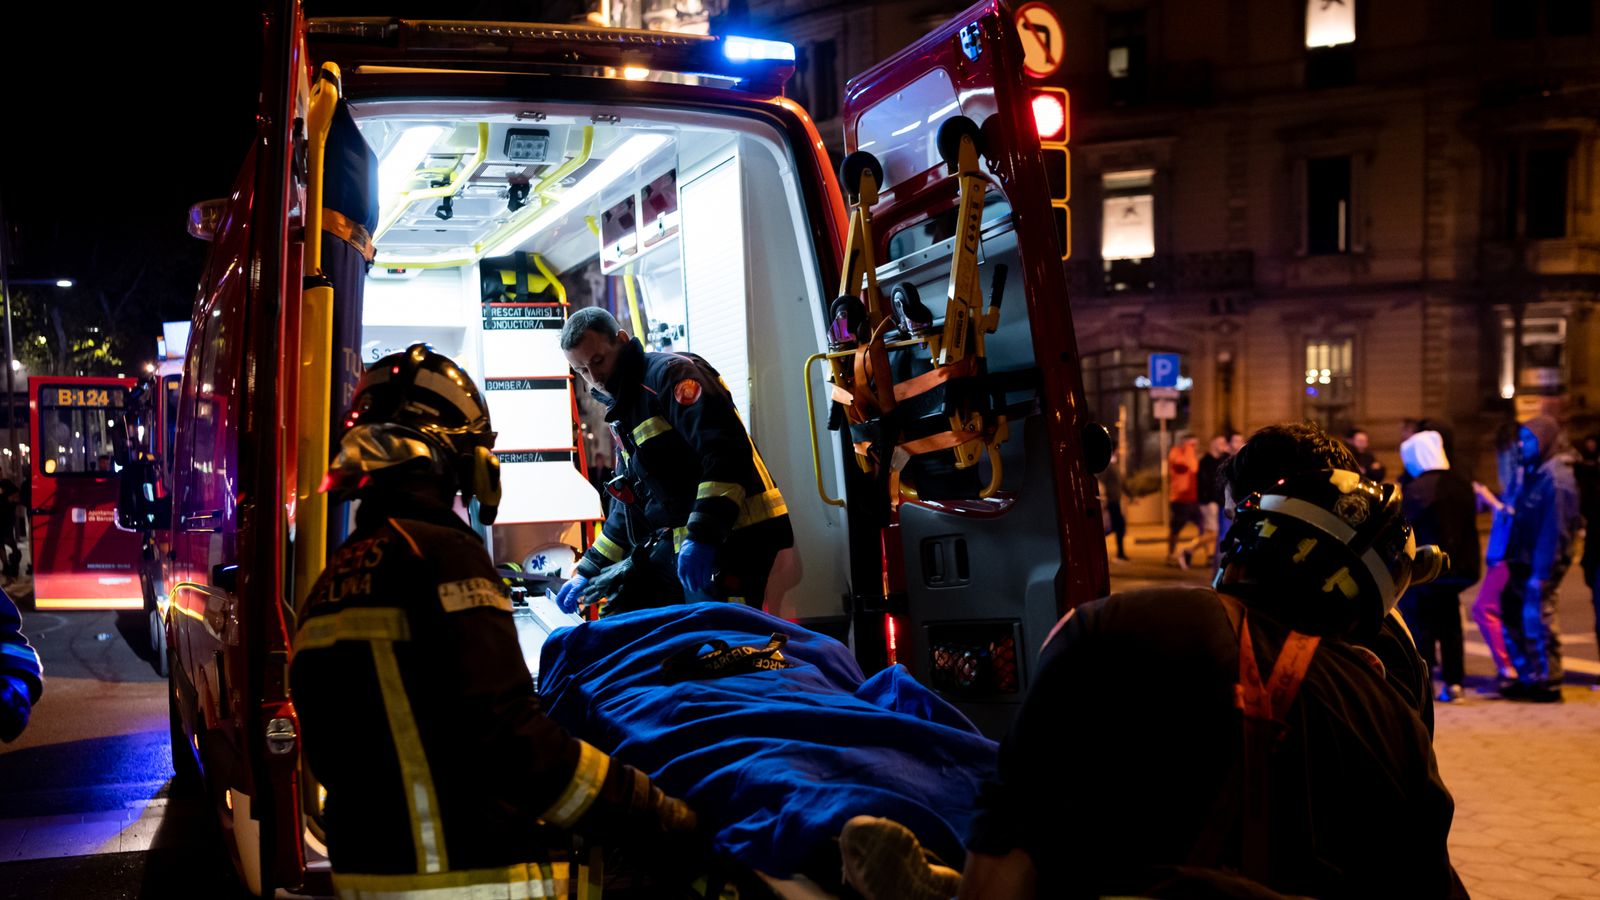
(1043, 42)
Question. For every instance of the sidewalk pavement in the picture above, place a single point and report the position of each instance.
(1525, 776)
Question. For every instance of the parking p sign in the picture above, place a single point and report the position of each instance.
(1164, 370)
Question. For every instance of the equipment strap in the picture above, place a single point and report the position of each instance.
(1264, 706)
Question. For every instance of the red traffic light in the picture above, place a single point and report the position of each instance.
(1050, 116)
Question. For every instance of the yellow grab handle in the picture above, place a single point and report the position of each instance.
(811, 419)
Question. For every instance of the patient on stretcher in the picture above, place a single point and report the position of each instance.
(771, 732)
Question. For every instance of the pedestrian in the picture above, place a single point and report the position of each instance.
(21, 674)
(1209, 478)
(10, 501)
(1204, 781)
(1360, 445)
(1183, 495)
(1225, 509)
(695, 513)
(1439, 504)
(417, 711)
(1544, 521)
(1111, 494)
(1486, 608)
(1587, 472)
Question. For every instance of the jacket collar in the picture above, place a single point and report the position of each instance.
(628, 377)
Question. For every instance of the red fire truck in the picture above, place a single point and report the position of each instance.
(81, 559)
(929, 442)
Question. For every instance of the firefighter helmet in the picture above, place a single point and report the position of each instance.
(1336, 538)
(417, 411)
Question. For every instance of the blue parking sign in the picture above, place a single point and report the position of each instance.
(1164, 370)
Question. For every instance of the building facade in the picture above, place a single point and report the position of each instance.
(1340, 210)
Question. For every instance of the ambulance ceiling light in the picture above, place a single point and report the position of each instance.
(401, 160)
(738, 48)
(623, 160)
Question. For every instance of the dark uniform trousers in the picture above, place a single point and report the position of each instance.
(420, 718)
(692, 472)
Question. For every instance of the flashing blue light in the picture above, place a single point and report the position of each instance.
(738, 48)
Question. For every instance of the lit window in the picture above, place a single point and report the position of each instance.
(1329, 381)
(1117, 62)
(1128, 220)
(1330, 23)
(1543, 362)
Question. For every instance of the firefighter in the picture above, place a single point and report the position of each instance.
(21, 675)
(1306, 766)
(417, 711)
(696, 514)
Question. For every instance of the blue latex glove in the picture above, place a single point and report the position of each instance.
(571, 593)
(14, 707)
(694, 566)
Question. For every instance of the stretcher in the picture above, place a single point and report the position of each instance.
(868, 399)
(772, 733)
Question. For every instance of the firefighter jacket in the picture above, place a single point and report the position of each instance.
(420, 718)
(688, 461)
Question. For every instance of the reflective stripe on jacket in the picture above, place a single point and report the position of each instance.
(420, 718)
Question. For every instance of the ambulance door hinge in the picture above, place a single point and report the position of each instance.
(281, 736)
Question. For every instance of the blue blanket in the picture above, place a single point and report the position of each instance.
(774, 761)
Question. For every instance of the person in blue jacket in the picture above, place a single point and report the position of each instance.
(696, 514)
(1545, 520)
(21, 674)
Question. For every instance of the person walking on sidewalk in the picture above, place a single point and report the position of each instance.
(1486, 608)
(1439, 504)
(1111, 488)
(1587, 471)
(1183, 494)
(1210, 490)
(1544, 521)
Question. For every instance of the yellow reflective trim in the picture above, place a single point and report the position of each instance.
(352, 625)
(525, 880)
(655, 426)
(427, 833)
(582, 790)
(760, 508)
(761, 468)
(609, 549)
(679, 535)
(709, 489)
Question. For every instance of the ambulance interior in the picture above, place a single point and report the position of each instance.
(689, 228)
(692, 229)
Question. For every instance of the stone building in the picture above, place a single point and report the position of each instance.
(1343, 210)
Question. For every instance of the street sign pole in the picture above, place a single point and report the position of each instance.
(1166, 477)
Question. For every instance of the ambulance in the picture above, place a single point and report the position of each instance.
(896, 334)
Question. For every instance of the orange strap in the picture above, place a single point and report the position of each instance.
(927, 381)
(1271, 701)
(944, 440)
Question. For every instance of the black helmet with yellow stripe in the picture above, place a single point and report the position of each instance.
(417, 412)
(1335, 543)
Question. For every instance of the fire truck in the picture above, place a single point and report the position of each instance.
(896, 334)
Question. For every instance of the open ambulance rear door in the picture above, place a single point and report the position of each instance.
(994, 523)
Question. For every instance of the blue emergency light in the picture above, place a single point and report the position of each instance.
(738, 48)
